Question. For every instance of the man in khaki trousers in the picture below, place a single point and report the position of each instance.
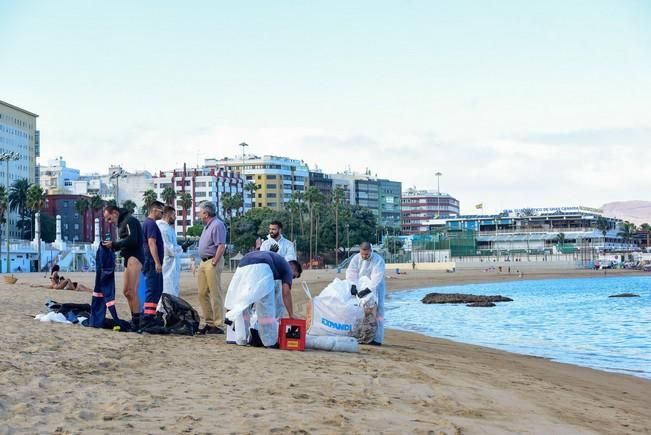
(211, 251)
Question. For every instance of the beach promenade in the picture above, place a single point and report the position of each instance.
(68, 379)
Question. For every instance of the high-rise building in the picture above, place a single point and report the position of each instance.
(321, 181)
(421, 206)
(389, 203)
(381, 196)
(203, 184)
(18, 134)
(275, 178)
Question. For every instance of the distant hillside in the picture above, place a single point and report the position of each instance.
(638, 212)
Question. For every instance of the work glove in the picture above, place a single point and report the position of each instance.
(353, 290)
(363, 293)
(275, 247)
(185, 245)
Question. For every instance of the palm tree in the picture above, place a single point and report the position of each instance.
(3, 205)
(251, 187)
(312, 197)
(292, 207)
(82, 205)
(168, 195)
(231, 203)
(18, 199)
(603, 225)
(96, 204)
(299, 197)
(337, 198)
(149, 197)
(560, 238)
(35, 202)
(237, 202)
(185, 200)
(129, 206)
(627, 231)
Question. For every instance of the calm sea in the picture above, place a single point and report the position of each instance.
(566, 320)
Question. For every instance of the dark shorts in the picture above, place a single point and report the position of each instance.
(140, 259)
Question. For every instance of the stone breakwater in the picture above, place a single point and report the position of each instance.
(461, 298)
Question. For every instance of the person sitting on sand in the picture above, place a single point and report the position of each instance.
(58, 282)
(369, 264)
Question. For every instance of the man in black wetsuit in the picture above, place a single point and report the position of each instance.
(130, 244)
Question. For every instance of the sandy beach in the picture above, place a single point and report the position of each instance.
(69, 379)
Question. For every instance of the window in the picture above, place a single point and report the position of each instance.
(271, 204)
(259, 204)
(271, 177)
(271, 195)
(272, 186)
(259, 195)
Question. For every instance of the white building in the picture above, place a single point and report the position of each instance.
(123, 185)
(276, 178)
(18, 135)
(115, 184)
(203, 184)
(57, 178)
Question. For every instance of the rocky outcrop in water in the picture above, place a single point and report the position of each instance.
(625, 295)
(481, 304)
(460, 298)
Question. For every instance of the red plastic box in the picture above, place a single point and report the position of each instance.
(291, 334)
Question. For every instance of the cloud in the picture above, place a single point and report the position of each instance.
(604, 137)
(500, 173)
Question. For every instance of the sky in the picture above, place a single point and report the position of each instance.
(517, 103)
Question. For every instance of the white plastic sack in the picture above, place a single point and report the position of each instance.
(52, 317)
(266, 322)
(339, 289)
(335, 311)
(331, 343)
(238, 331)
(252, 285)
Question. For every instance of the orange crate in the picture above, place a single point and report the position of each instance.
(291, 334)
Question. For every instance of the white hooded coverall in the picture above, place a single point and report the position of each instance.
(373, 269)
(171, 260)
(288, 252)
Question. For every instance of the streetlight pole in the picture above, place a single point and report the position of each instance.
(6, 157)
(242, 176)
(347, 240)
(117, 174)
(438, 193)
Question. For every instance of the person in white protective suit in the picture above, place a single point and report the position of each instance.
(253, 284)
(369, 264)
(275, 242)
(172, 250)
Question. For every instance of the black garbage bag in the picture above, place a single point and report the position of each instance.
(179, 316)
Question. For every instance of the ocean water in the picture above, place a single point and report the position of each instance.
(567, 320)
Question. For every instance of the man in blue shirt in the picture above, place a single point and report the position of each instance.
(152, 268)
